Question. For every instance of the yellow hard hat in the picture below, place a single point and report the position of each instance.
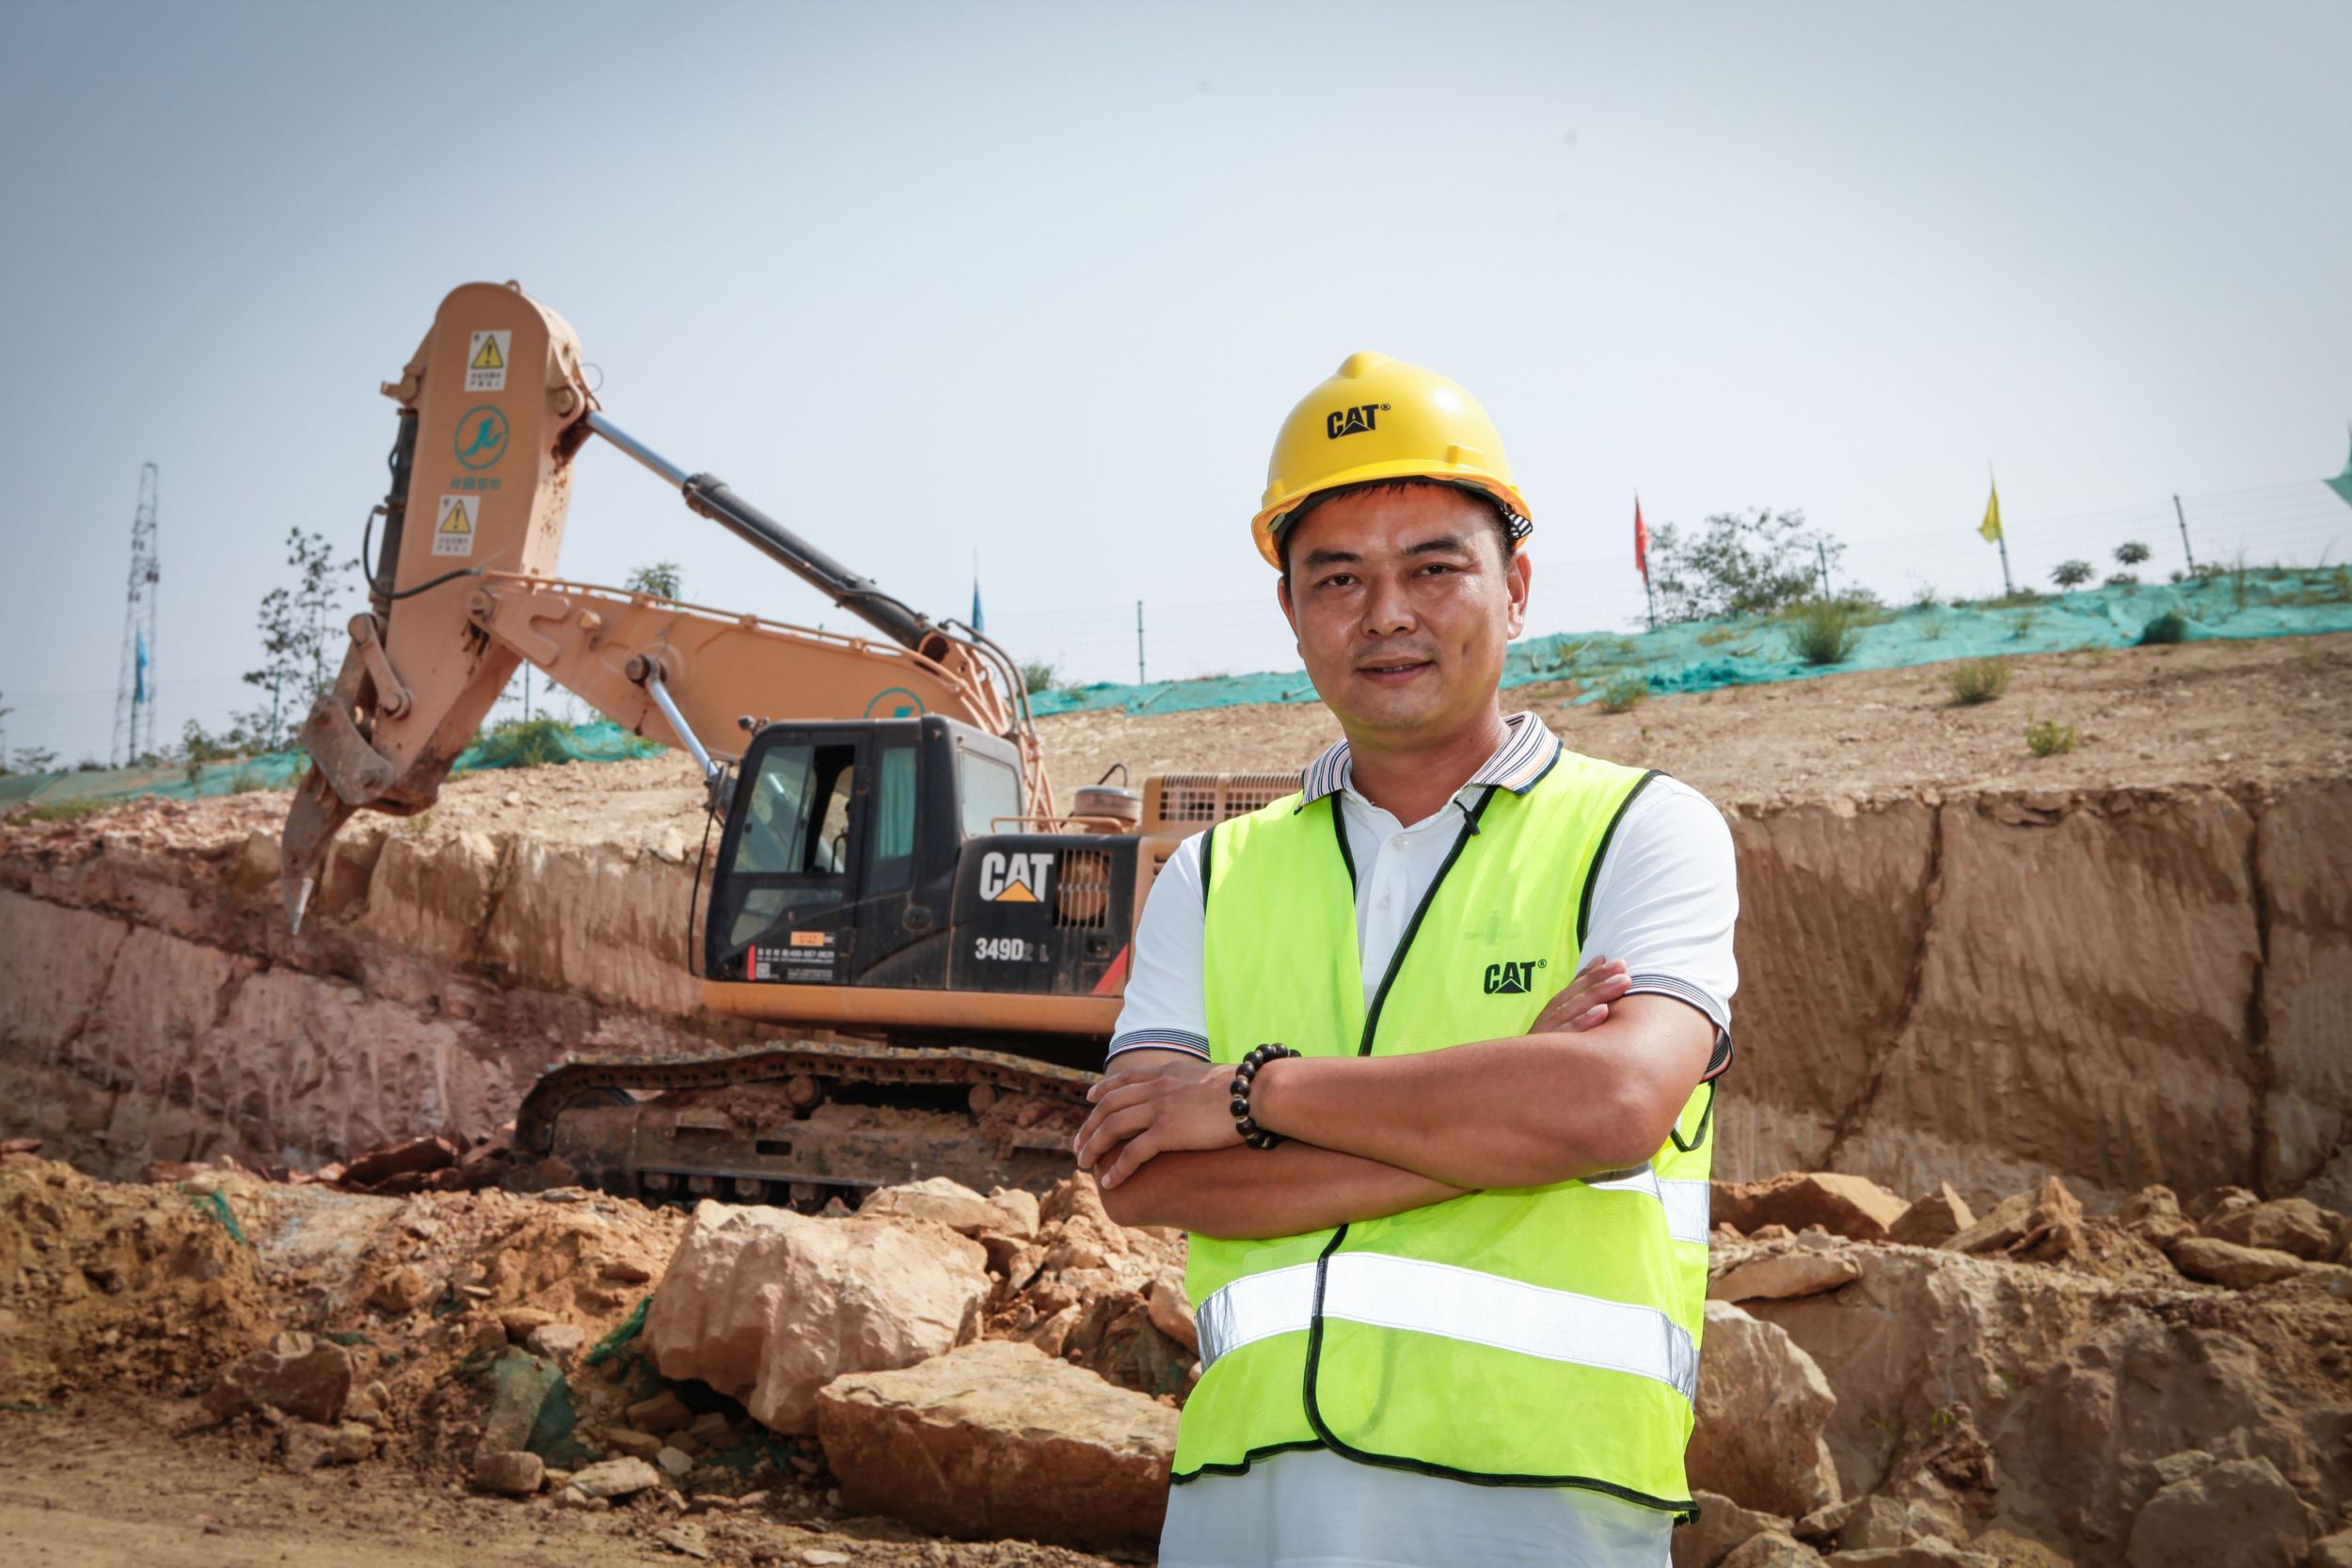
(1382, 418)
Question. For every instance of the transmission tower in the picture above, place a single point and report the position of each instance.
(135, 691)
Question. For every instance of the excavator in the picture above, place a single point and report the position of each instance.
(926, 951)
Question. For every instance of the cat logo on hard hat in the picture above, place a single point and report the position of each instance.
(1017, 877)
(1348, 421)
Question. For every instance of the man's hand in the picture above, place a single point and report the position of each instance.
(1147, 1110)
(1585, 1003)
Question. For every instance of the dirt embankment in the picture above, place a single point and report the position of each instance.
(2129, 963)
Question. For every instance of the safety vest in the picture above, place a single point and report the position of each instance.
(1534, 1337)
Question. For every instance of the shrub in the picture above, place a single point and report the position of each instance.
(1038, 675)
(1824, 631)
(2071, 574)
(1716, 635)
(1978, 680)
(2167, 627)
(1932, 627)
(2046, 736)
(2131, 554)
(1625, 693)
(1925, 598)
(523, 743)
(1750, 563)
(2121, 579)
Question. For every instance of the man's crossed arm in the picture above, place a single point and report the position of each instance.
(1595, 1085)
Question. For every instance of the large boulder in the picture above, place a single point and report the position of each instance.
(997, 1439)
(1851, 1206)
(1762, 1408)
(768, 1305)
(2233, 1514)
(1723, 1527)
(2241, 1268)
(2296, 1225)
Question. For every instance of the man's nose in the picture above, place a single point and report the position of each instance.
(1388, 609)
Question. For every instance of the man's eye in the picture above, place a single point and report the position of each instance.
(1338, 579)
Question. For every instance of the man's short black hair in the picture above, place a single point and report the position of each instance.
(1512, 528)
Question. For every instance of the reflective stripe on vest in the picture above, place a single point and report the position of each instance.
(1455, 1303)
(1688, 1205)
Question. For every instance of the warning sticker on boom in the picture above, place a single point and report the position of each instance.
(485, 361)
(454, 533)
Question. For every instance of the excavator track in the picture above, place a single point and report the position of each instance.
(800, 1125)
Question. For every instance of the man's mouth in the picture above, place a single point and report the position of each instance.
(1393, 672)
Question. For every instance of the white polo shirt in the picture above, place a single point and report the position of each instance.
(1664, 899)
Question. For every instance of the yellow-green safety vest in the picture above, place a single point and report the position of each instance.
(1535, 1337)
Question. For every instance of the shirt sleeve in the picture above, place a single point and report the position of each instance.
(1665, 898)
(1165, 1008)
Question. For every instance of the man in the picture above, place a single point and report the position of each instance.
(1448, 1237)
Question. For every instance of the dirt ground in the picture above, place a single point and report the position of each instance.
(106, 1483)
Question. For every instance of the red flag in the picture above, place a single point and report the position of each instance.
(1640, 541)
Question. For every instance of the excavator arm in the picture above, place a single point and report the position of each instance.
(494, 406)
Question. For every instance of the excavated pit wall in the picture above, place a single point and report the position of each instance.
(2123, 987)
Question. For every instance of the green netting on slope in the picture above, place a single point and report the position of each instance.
(522, 747)
(1700, 656)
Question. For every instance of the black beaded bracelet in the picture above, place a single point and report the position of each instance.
(1252, 1134)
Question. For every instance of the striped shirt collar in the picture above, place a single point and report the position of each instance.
(1528, 751)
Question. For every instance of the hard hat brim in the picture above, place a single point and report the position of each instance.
(1262, 527)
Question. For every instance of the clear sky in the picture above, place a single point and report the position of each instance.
(1040, 280)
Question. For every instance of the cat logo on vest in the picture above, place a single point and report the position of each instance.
(1513, 979)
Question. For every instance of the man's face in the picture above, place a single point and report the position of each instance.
(1402, 602)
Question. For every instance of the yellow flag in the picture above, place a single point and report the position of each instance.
(1991, 527)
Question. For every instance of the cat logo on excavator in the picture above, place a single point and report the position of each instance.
(1015, 878)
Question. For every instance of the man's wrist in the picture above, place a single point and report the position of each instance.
(1266, 1102)
(1242, 1090)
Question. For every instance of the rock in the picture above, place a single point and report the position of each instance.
(1771, 1549)
(637, 1445)
(307, 1445)
(557, 1341)
(674, 1461)
(996, 1440)
(1881, 1522)
(1934, 1552)
(2012, 1550)
(685, 1539)
(2236, 1511)
(2216, 1202)
(616, 1478)
(1722, 1524)
(816, 1557)
(519, 1384)
(2046, 1224)
(1850, 1206)
(2154, 1214)
(400, 1292)
(947, 1202)
(365, 1408)
(2241, 1268)
(2291, 1225)
(308, 1379)
(1762, 1408)
(512, 1474)
(664, 1412)
(1932, 1219)
(399, 1165)
(713, 1430)
(769, 1307)
(1172, 1312)
(521, 1323)
(1020, 1213)
(1777, 1276)
(2333, 1551)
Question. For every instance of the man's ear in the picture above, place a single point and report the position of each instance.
(1516, 583)
(1283, 598)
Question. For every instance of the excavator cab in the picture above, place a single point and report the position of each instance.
(887, 855)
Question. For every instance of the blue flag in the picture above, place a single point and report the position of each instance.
(138, 686)
(977, 624)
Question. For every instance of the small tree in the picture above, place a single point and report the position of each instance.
(660, 579)
(1741, 564)
(302, 642)
(2071, 574)
(2131, 554)
(35, 759)
(1038, 675)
